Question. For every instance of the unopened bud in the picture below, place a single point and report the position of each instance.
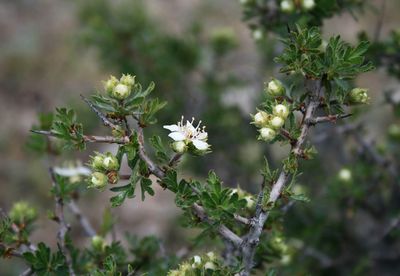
(267, 134)
(261, 118)
(127, 80)
(97, 162)
(287, 6)
(179, 146)
(110, 84)
(275, 88)
(345, 175)
(98, 180)
(308, 4)
(21, 212)
(249, 202)
(121, 91)
(196, 261)
(359, 96)
(258, 34)
(98, 243)
(209, 266)
(281, 110)
(277, 122)
(110, 162)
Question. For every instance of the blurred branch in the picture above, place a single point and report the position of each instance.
(103, 118)
(85, 223)
(90, 138)
(64, 227)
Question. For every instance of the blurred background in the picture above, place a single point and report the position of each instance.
(205, 63)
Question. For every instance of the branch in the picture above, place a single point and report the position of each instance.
(85, 223)
(199, 210)
(103, 118)
(90, 138)
(64, 227)
(328, 118)
(251, 240)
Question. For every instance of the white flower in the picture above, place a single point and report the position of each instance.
(267, 134)
(287, 6)
(345, 175)
(277, 122)
(196, 261)
(281, 111)
(308, 4)
(189, 134)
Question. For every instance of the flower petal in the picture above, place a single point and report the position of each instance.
(172, 127)
(190, 127)
(202, 136)
(200, 145)
(177, 136)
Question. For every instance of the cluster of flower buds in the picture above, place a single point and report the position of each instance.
(22, 213)
(250, 201)
(278, 244)
(289, 6)
(105, 170)
(188, 137)
(198, 264)
(269, 124)
(119, 89)
(359, 96)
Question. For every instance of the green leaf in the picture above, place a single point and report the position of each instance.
(145, 185)
(161, 154)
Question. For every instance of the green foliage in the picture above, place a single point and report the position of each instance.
(66, 128)
(44, 262)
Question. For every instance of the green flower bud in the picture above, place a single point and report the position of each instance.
(277, 122)
(261, 118)
(22, 213)
(121, 91)
(110, 84)
(308, 4)
(287, 6)
(275, 88)
(127, 80)
(179, 146)
(267, 134)
(98, 180)
(209, 266)
(359, 96)
(97, 162)
(345, 175)
(249, 201)
(110, 162)
(281, 110)
(98, 243)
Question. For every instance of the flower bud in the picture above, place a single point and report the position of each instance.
(281, 110)
(113, 177)
(211, 255)
(98, 243)
(98, 180)
(359, 96)
(287, 6)
(97, 162)
(249, 201)
(179, 146)
(267, 134)
(209, 265)
(196, 261)
(394, 131)
(277, 122)
(110, 84)
(258, 34)
(308, 4)
(261, 118)
(110, 162)
(22, 213)
(275, 88)
(121, 91)
(345, 175)
(127, 80)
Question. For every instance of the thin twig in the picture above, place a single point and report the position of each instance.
(103, 118)
(85, 223)
(379, 23)
(329, 118)
(90, 138)
(64, 227)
